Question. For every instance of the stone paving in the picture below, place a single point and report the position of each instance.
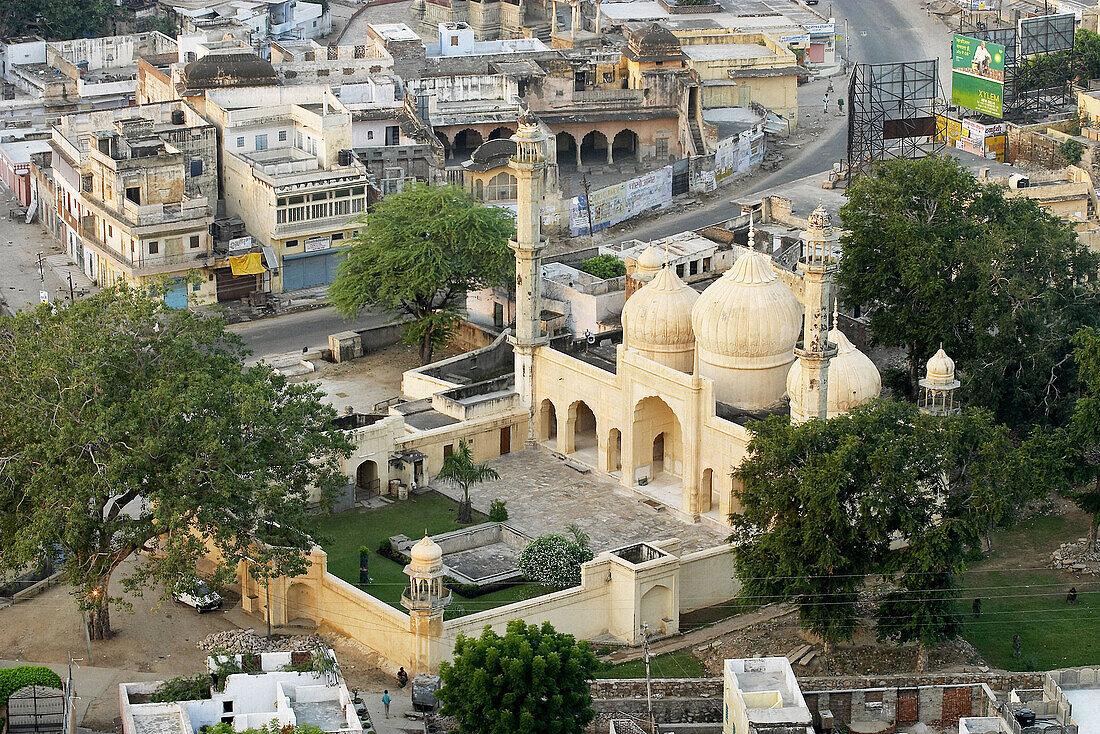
(544, 495)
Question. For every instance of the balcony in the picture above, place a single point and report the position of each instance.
(314, 226)
(149, 265)
(633, 96)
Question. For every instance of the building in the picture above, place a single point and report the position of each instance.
(762, 696)
(15, 163)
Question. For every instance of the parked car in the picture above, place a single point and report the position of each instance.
(199, 595)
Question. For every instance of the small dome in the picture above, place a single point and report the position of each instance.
(649, 263)
(820, 218)
(746, 325)
(940, 369)
(657, 321)
(233, 69)
(426, 553)
(654, 37)
(853, 381)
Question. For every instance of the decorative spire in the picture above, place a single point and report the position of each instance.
(752, 233)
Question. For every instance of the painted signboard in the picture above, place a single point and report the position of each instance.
(978, 75)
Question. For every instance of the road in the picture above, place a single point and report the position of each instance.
(292, 332)
(880, 31)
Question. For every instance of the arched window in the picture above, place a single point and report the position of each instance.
(502, 187)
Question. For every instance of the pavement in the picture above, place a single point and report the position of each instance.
(20, 243)
(308, 330)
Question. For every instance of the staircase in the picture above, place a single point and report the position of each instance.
(697, 137)
(541, 31)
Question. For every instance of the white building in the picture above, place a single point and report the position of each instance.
(761, 695)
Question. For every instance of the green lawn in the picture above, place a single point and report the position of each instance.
(432, 512)
(669, 665)
(1032, 603)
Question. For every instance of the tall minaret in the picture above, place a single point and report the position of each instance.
(529, 166)
(818, 267)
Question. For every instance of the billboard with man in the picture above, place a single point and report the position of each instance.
(978, 75)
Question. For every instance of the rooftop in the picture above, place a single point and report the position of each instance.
(727, 51)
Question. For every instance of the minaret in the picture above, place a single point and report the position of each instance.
(818, 267)
(937, 389)
(426, 598)
(529, 166)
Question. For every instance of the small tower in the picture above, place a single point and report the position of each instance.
(937, 389)
(818, 266)
(529, 165)
(425, 599)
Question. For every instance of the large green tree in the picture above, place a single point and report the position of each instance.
(938, 257)
(1081, 438)
(419, 253)
(128, 426)
(531, 680)
(57, 20)
(823, 502)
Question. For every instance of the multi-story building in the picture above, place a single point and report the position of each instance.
(132, 194)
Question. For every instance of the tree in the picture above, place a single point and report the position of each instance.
(555, 560)
(1081, 442)
(823, 501)
(461, 469)
(530, 681)
(1072, 150)
(56, 20)
(604, 267)
(130, 427)
(418, 254)
(939, 258)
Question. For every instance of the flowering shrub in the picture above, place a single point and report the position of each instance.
(555, 560)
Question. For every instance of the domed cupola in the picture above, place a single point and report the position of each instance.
(657, 321)
(853, 381)
(746, 325)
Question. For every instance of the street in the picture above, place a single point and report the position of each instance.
(292, 332)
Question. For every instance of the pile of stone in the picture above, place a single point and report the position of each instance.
(242, 641)
(1076, 557)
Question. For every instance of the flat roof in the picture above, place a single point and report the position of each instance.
(19, 151)
(640, 10)
(1086, 707)
(394, 31)
(723, 51)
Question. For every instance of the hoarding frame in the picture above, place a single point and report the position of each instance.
(978, 85)
(1046, 34)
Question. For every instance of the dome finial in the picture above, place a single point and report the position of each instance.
(752, 232)
(836, 314)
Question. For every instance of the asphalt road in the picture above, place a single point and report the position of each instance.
(880, 31)
(292, 332)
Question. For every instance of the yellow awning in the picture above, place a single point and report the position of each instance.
(249, 264)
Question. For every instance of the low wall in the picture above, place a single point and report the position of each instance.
(365, 619)
(707, 578)
(675, 701)
(380, 337)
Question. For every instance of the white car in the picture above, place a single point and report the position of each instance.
(198, 595)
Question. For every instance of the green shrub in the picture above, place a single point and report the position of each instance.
(604, 267)
(1072, 151)
(186, 688)
(498, 511)
(12, 679)
(555, 560)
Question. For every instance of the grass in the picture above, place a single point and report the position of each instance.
(430, 512)
(1032, 603)
(669, 665)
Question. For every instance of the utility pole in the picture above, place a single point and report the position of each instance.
(588, 205)
(71, 296)
(41, 269)
(648, 689)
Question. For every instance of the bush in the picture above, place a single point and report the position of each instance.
(1072, 151)
(186, 688)
(604, 267)
(12, 679)
(555, 560)
(498, 511)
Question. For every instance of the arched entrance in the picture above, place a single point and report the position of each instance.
(300, 604)
(708, 499)
(501, 132)
(614, 450)
(658, 450)
(656, 608)
(548, 421)
(366, 481)
(568, 152)
(625, 146)
(466, 142)
(594, 149)
(584, 433)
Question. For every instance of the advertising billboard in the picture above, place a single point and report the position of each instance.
(1047, 34)
(978, 75)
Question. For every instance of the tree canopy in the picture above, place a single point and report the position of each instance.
(555, 560)
(822, 502)
(130, 426)
(56, 20)
(1080, 441)
(939, 258)
(531, 680)
(604, 266)
(418, 254)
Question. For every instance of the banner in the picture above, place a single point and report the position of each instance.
(978, 75)
(738, 153)
(620, 202)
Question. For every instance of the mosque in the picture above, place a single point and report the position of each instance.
(666, 415)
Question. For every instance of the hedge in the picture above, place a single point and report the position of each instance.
(12, 679)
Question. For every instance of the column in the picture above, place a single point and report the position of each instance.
(610, 149)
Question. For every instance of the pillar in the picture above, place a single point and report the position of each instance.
(610, 150)
(579, 151)
(553, 17)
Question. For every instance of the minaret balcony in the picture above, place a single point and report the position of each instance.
(424, 602)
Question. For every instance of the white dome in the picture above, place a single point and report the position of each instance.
(853, 381)
(657, 321)
(940, 370)
(746, 326)
(426, 554)
(649, 263)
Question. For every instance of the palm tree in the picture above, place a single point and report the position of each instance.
(460, 468)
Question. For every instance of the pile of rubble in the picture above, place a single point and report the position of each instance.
(241, 641)
(1076, 557)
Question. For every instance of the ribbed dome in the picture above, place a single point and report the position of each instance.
(657, 321)
(853, 380)
(746, 325)
(940, 369)
(426, 554)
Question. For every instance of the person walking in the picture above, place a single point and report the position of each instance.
(840, 105)
(825, 102)
(386, 702)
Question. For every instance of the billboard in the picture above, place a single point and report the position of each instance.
(978, 75)
(1047, 34)
(619, 202)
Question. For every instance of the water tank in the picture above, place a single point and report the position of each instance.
(1025, 717)
(344, 157)
(177, 117)
(1018, 181)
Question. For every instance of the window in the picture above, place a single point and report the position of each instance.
(680, 270)
(356, 206)
(261, 142)
(393, 135)
(454, 40)
(498, 315)
(194, 242)
(706, 264)
(320, 211)
(291, 243)
(370, 134)
(196, 167)
(693, 267)
(340, 208)
(110, 231)
(227, 706)
(133, 193)
(240, 141)
(337, 236)
(448, 450)
(282, 136)
(154, 248)
(661, 148)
